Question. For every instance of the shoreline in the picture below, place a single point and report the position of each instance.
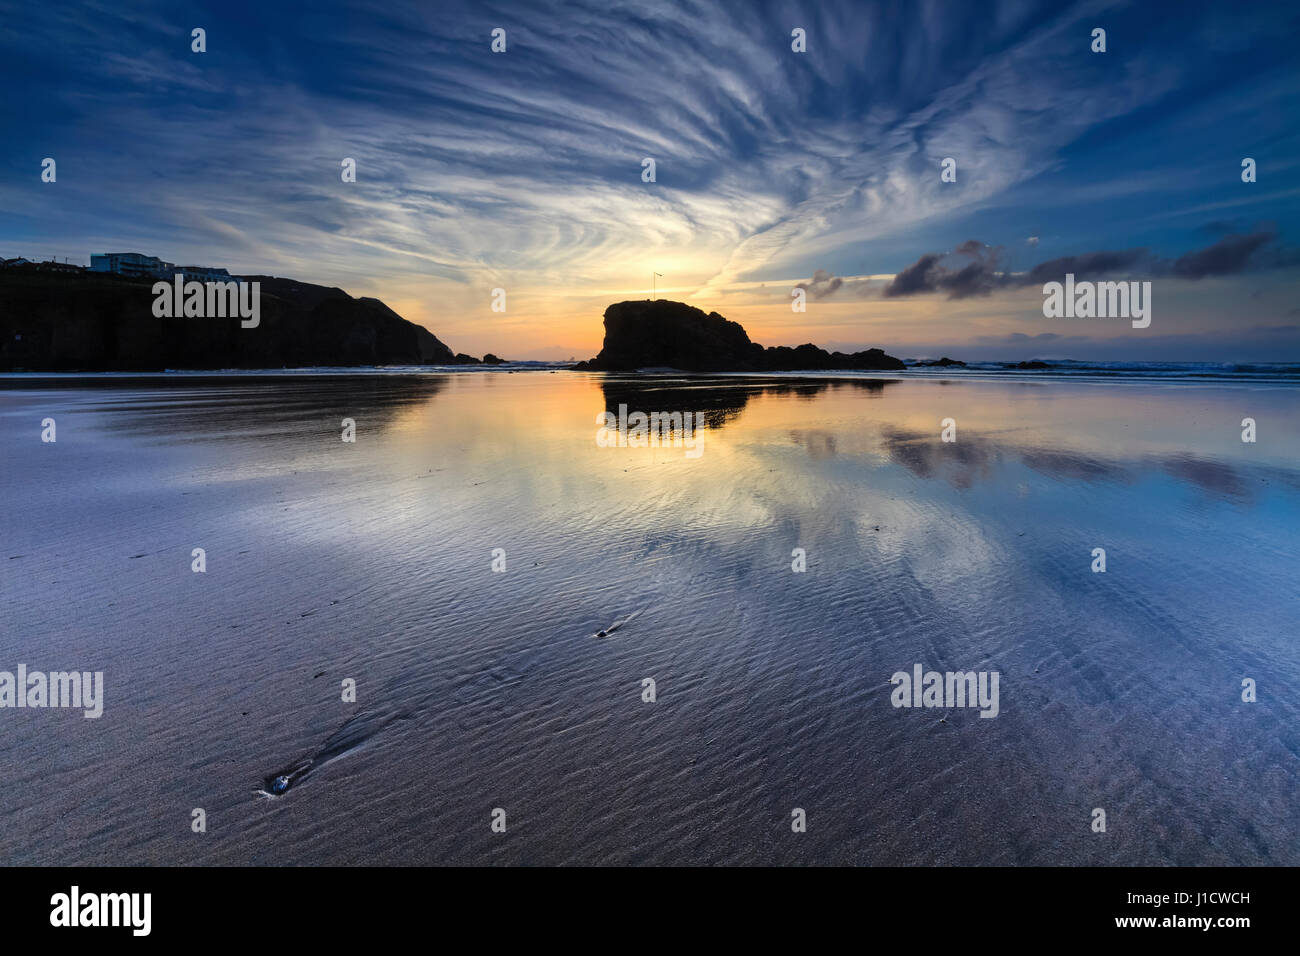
(1227, 374)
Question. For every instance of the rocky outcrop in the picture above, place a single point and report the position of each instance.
(96, 322)
(664, 334)
(944, 362)
(489, 359)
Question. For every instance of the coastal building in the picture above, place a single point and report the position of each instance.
(129, 264)
(51, 265)
(140, 266)
(204, 274)
(42, 265)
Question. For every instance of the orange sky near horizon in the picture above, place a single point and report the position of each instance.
(540, 324)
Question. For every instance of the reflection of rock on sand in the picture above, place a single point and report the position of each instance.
(617, 624)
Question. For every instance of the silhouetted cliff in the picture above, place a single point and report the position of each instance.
(98, 322)
(666, 334)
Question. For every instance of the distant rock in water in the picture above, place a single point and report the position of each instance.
(86, 321)
(944, 362)
(666, 334)
(1035, 364)
(491, 359)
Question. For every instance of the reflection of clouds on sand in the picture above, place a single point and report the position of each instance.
(961, 462)
(1071, 466)
(819, 442)
(250, 408)
(979, 452)
(1213, 477)
(373, 561)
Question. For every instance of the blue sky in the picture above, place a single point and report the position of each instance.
(522, 170)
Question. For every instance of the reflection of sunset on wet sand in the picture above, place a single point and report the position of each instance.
(374, 561)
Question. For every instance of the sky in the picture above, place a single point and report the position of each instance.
(774, 169)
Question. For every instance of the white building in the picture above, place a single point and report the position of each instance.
(151, 267)
(130, 264)
(204, 274)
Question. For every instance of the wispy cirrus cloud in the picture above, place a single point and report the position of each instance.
(523, 169)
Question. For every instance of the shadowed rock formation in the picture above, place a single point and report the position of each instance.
(664, 334)
(88, 321)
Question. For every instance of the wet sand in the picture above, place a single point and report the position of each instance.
(372, 561)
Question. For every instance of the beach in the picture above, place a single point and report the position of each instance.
(459, 558)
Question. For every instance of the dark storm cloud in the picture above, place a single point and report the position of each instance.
(821, 284)
(972, 269)
(1230, 255)
(1089, 265)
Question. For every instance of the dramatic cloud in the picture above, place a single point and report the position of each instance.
(916, 278)
(523, 169)
(974, 269)
(821, 284)
(1114, 264)
(1229, 255)
(971, 269)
